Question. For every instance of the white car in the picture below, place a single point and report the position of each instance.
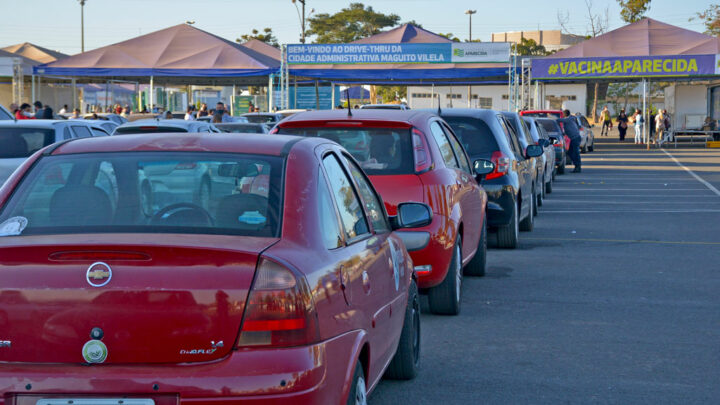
(157, 125)
(20, 139)
(5, 114)
(384, 107)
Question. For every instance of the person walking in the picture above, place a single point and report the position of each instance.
(659, 126)
(606, 120)
(622, 120)
(572, 131)
(639, 121)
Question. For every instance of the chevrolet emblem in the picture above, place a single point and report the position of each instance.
(98, 274)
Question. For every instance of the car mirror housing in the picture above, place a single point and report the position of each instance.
(411, 215)
(533, 151)
(483, 167)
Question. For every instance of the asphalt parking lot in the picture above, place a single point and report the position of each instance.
(613, 298)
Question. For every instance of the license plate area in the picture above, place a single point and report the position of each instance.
(95, 401)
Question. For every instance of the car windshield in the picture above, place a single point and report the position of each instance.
(21, 142)
(147, 129)
(379, 151)
(550, 126)
(150, 192)
(261, 119)
(475, 135)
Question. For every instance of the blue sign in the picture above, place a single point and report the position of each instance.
(306, 97)
(354, 54)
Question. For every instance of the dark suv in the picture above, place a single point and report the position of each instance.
(487, 134)
(522, 133)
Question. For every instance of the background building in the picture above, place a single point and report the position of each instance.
(552, 40)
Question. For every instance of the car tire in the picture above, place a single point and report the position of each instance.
(404, 365)
(358, 387)
(508, 235)
(527, 224)
(476, 267)
(444, 299)
(548, 187)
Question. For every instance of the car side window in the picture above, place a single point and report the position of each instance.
(373, 204)
(66, 133)
(99, 132)
(512, 137)
(351, 212)
(458, 149)
(445, 148)
(81, 132)
(526, 130)
(329, 224)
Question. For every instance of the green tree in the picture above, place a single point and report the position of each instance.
(711, 19)
(449, 36)
(390, 94)
(529, 47)
(349, 24)
(268, 37)
(633, 10)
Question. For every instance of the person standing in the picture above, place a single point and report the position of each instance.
(572, 131)
(25, 112)
(225, 116)
(47, 113)
(203, 111)
(639, 121)
(606, 120)
(38, 109)
(189, 113)
(75, 115)
(63, 110)
(622, 120)
(659, 126)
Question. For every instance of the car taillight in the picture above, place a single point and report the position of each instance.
(502, 165)
(279, 311)
(275, 130)
(421, 153)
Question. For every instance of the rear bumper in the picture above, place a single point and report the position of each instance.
(309, 374)
(436, 253)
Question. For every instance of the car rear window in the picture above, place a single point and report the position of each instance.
(550, 126)
(23, 142)
(542, 114)
(261, 119)
(379, 151)
(146, 129)
(475, 135)
(247, 129)
(150, 192)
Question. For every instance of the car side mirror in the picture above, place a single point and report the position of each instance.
(533, 151)
(482, 167)
(411, 215)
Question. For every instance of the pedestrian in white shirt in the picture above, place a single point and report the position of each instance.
(189, 116)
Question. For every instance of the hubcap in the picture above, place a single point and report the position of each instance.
(360, 392)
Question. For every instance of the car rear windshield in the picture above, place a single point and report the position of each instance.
(542, 114)
(150, 192)
(475, 135)
(379, 151)
(147, 129)
(260, 119)
(240, 128)
(550, 126)
(23, 142)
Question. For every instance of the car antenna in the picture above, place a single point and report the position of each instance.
(347, 95)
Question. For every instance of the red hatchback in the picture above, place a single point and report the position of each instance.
(415, 156)
(284, 284)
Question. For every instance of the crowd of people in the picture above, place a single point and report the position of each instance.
(660, 123)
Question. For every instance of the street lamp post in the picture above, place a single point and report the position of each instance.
(82, 25)
(302, 19)
(470, 14)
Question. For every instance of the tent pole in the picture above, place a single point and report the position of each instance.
(317, 95)
(151, 99)
(32, 85)
(39, 85)
(108, 97)
(270, 93)
(469, 96)
(232, 100)
(295, 93)
(432, 96)
(332, 96)
(74, 93)
(647, 115)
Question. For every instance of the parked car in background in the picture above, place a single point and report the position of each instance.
(414, 156)
(116, 118)
(486, 134)
(384, 107)
(241, 127)
(288, 112)
(559, 141)
(208, 119)
(263, 117)
(240, 291)
(5, 114)
(156, 125)
(588, 138)
(541, 138)
(522, 133)
(20, 139)
(553, 114)
(106, 125)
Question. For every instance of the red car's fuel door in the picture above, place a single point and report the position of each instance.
(174, 299)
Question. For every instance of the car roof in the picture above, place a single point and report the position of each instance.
(272, 114)
(466, 112)
(30, 123)
(175, 122)
(405, 116)
(276, 145)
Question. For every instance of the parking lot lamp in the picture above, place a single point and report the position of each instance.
(301, 16)
(470, 14)
(82, 25)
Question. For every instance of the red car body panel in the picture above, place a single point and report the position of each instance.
(457, 201)
(201, 283)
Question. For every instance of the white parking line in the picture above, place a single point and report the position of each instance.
(698, 178)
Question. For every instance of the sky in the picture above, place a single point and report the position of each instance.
(55, 24)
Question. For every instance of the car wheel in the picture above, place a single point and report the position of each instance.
(476, 267)
(444, 299)
(507, 235)
(404, 365)
(561, 168)
(548, 187)
(527, 224)
(358, 389)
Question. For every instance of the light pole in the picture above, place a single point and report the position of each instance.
(301, 16)
(82, 25)
(470, 14)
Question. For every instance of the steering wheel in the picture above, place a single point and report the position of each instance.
(182, 214)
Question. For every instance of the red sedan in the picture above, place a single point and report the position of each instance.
(268, 273)
(415, 156)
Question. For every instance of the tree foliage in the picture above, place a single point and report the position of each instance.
(391, 94)
(449, 36)
(268, 37)
(711, 19)
(529, 47)
(349, 24)
(633, 10)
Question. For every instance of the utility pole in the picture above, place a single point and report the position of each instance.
(301, 16)
(82, 25)
(470, 14)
